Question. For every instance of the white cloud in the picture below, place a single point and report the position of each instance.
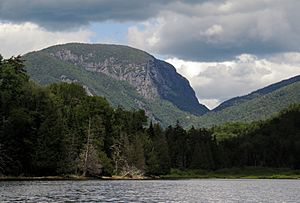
(221, 30)
(210, 103)
(145, 36)
(215, 82)
(214, 30)
(21, 38)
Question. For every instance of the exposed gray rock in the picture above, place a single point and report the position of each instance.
(152, 78)
(64, 78)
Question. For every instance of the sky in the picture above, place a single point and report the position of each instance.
(225, 48)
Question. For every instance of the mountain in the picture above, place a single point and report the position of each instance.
(134, 79)
(125, 76)
(256, 94)
(264, 103)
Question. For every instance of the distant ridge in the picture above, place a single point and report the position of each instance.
(134, 79)
(263, 91)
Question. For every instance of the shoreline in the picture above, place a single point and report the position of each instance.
(169, 177)
(71, 178)
(275, 177)
(176, 174)
(236, 173)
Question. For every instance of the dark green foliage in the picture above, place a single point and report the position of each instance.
(193, 149)
(270, 143)
(229, 130)
(59, 129)
(31, 125)
(202, 146)
(177, 141)
(157, 156)
(274, 143)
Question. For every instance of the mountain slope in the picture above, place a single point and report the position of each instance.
(259, 108)
(125, 76)
(266, 90)
(134, 79)
(151, 78)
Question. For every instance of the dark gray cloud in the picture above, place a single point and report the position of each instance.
(68, 13)
(221, 30)
(208, 30)
(64, 14)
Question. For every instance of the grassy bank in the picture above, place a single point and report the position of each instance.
(70, 177)
(44, 178)
(236, 173)
(233, 173)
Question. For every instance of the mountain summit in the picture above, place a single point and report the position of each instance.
(115, 70)
(134, 79)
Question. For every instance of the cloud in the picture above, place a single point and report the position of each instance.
(72, 13)
(215, 82)
(21, 38)
(221, 30)
(207, 30)
(242, 45)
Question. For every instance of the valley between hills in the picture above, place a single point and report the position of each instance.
(80, 111)
(134, 79)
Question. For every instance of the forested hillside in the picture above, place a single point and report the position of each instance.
(259, 108)
(123, 75)
(134, 79)
(256, 94)
(60, 130)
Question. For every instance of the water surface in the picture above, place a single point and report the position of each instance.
(209, 190)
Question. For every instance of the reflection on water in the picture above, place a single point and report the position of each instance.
(151, 191)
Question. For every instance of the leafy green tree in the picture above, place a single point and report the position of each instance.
(158, 159)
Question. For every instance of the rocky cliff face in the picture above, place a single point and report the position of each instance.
(133, 79)
(152, 78)
(137, 74)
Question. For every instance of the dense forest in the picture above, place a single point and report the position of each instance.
(60, 130)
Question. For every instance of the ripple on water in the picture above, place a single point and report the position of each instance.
(151, 191)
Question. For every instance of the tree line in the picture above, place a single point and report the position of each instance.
(59, 130)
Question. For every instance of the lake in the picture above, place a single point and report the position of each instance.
(203, 190)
